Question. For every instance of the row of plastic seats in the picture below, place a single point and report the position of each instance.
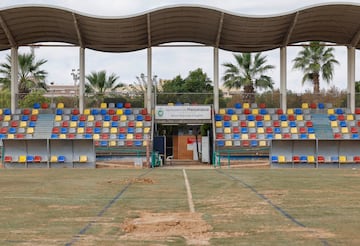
(120, 143)
(13, 130)
(311, 159)
(65, 130)
(102, 118)
(23, 159)
(244, 143)
(276, 123)
(8, 118)
(97, 136)
(75, 124)
(276, 130)
(266, 117)
(267, 136)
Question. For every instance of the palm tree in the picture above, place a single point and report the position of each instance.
(98, 83)
(315, 59)
(30, 75)
(248, 73)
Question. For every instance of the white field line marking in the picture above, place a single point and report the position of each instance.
(189, 195)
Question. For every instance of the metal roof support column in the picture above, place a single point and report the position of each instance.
(283, 82)
(351, 78)
(82, 79)
(14, 77)
(149, 80)
(216, 80)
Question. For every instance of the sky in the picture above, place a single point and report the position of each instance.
(61, 61)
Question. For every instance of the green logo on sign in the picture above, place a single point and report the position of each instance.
(160, 113)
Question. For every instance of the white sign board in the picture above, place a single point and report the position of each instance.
(183, 112)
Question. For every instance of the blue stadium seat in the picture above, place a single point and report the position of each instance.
(59, 111)
(244, 130)
(74, 118)
(259, 124)
(103, 111)
(334, 159)
(227, 124)
(238, 105)
(88, 136)
(321, 105)
(54, 136)
(253, 143)
(128, 111)
(342, 124)
(12, 130)
(263, 111)
(114, 124)
(339, 111)
(220, 143)
(131, 130)
(103, 143)
(139, 117)
(24, 117)
(230, 111)
(303, 136)
(269, 136)
(138, 143)
(119, 105)
(94, 111)
(311, 130)
(283, 117)
(332, 117)
(106, 117)
(303, 159)
(36, 105)
(63, 130)
(277, 130)
(2, 136)
(81, 124)
(292, 124)
(218, 117)
(97, 130)
(355, 136)
(61, 158)
(298, 111)
(29, 158)
(236, 136)
(274, 159)
(32, 124)
(250, 117)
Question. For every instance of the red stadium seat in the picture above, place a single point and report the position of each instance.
(321, 159)
(296, 159)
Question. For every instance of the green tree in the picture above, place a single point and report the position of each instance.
(99, 84)
(30, 77)
(314, 60)
(195, 88)
(248, 73)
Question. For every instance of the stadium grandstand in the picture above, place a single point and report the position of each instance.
(315, 134)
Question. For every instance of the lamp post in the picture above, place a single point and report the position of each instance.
(76, 76)
(52, 92)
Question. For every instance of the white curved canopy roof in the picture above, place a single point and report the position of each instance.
(335, 23)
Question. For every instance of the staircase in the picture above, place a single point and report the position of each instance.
(322, 126)
(44, 125)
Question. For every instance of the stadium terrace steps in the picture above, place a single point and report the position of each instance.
(322, 126)
(44, 126)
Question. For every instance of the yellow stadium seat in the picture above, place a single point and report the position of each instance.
(96, 136)
(344, 130)
(106, 124)
(73, 124)
(123, 118)
(119, 111)
(311, 136)
(305, 105)
(80, 130)
(278, 136)
(267, 117)
(139, 124)
(255, 111)
(146, 130)
(290, 111)
(222, 111)
(113, 130)
(30, 130)
(23, 124)
(60, 105)
(251, 124)
(333, 123)
(299, 117)
(244, 136)
(282, 159)
(62, 136)
(112, 143)
(103, 105)
(1, 111)
(234, 117)
(170, 104)
(53, 158)
(129, 136)
(83, 158)
(58, 118)
(331, 111)
(218, 124)
(260, 130)
(342, 159)
(246, 105)
(35, 111)
(228, 143)
(22, 159)
(262, 143)
(293, 130)
(349, 117)
(10, 136)
(7, 118)
(311, 159)
(87, 111)
(284, 124)
(91, 117)
(227, 130)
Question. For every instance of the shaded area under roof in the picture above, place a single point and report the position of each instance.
(335, 23)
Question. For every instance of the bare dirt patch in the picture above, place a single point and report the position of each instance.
(160, 226)
(131, 181)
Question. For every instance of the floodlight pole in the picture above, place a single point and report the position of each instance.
(82, 79)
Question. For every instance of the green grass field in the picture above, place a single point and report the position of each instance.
(151, 207)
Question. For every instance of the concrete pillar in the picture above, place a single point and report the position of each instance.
(216, 80)
(81, 79)
(14, 78)
(351, 78)
(283, 82)
(149, 80)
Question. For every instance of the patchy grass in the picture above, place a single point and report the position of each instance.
(137, 207)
